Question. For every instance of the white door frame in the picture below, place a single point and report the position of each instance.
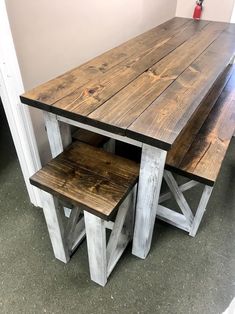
(18, 116)
(233, 15)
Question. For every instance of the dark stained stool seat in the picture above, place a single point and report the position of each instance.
(89, 177)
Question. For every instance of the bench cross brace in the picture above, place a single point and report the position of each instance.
(185, 221)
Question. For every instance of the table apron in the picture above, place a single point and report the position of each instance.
(118, 137)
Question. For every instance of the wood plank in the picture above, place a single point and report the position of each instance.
(204, 158)
(168, 115)
(97, 184)
(125, 107)
(89, 97)
(184, 141)
(48, 93)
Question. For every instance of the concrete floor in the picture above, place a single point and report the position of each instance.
(180, 275)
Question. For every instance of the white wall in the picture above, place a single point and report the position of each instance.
(53, 36)
(216, 10)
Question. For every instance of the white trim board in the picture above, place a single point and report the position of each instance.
(233, 15)
(18, 116)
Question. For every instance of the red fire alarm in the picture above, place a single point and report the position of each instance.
(198, 10)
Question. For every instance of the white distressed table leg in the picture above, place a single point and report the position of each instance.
(96, 245)
(59, 134)
(151, 173)
(55, 227)
(59, 137)
(200, 210)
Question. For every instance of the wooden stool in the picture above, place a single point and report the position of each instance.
(101, 184)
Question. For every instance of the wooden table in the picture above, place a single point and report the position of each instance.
(143, 92)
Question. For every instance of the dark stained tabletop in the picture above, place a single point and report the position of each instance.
(149, 87)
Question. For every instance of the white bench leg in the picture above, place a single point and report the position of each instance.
(200, 210)
(179, 196)
(151, 173)
(185, 221)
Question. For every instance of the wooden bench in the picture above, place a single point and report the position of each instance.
(103, 186)
(199, 152)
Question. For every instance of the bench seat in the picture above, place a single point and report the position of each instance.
(200, 150)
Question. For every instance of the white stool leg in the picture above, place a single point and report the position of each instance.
(96, 246)
(55, 227)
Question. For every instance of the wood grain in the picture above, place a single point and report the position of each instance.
(186, 138)
(127, 105)
(203, 159)
(45, 95)
(87, 98)
(89, 177)
(168, 115)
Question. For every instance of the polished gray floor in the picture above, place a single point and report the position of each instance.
(180, 275)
